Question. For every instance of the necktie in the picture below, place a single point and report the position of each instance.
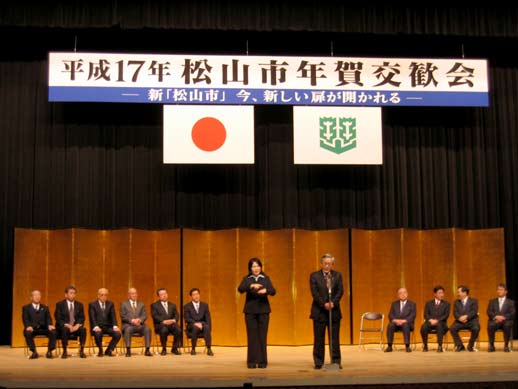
(134, 306)
(437, 303)
(71, 314)
(402, 306)
(500, 303)
(102, 306)
(328, 281)
(165, 306)
(196, 306)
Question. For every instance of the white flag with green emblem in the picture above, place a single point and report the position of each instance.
(337, 135)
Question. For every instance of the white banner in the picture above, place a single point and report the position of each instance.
(252, 80)
(337, 136)
(208, 134)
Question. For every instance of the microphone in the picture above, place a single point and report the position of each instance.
(328, 282)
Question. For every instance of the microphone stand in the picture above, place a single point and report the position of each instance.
(332, 366)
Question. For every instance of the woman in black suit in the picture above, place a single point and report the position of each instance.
(257, 287)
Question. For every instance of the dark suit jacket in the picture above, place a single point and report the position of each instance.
(318, 286)
(408, 313)
(191, 317)
(100, 318)
(159, 314)
(508, 309)
(471, 309)
(441, 313)
(127, 313)
(61, 314)
(36, 319)
(256, 303)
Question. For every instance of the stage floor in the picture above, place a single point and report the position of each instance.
(288, 367)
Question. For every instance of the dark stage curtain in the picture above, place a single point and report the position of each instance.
(265, 15)
(99, 166)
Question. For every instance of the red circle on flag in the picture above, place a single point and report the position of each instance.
(208, 134)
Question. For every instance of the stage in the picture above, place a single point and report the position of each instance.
(288, 367)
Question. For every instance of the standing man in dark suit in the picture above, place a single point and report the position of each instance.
(257, 286)
(436, 313)
(165, 318)
(197, 317)
(103, 321)
(70, 321)
(501, 312)
(465, 312)
(133, 318)
(37, 321)
(327, 289)
(401, 316)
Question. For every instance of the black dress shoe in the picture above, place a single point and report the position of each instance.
(163, 352)
(49, 354)
(175, 351)
(388, 349)
(210, 353)
(439, 349)
(64, 355)
(507, 349)
(109, 353)
(34, 355)
(82, 354)
(318, 367)
(491, 349)
(261, 365)
(408, 349)
(425, 348)
(128, 354)
(459, 348)
(251, 365)
(193, 352)
(471, 349)
(148, 353)
(100, 353)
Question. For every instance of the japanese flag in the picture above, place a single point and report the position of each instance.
(337, 135)
(208, 134)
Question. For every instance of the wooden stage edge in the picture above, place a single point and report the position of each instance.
(289, 367)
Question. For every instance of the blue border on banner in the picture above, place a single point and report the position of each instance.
(244, 96)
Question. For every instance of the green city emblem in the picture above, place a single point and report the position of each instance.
(337, 135)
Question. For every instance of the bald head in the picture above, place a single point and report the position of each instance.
(35, 296)
(402, 293)
(132, 294)
(102, 294)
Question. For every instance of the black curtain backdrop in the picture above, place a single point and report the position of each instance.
(100, 165)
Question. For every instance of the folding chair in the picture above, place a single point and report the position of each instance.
(369, 329)
(501, 331)
(40, 341)
(187, 341)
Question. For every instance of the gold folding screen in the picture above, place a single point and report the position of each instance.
(91, 259)
(216, 261)
(384, 260)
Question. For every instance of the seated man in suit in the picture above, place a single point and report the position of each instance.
(70, 321)
(501, 312)
(103, 321)
(436, 313)
(133, 318)
(197, 317)
(165, 318)
(401, 317)
(37, 321)
(465, 312)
